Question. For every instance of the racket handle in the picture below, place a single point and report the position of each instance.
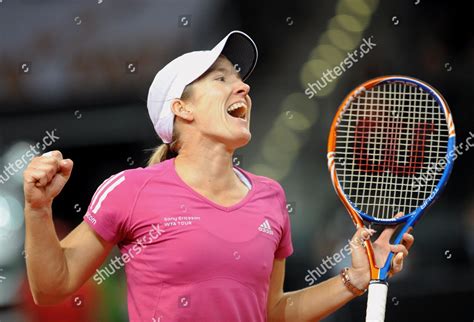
(376, 301)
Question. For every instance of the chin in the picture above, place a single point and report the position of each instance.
(245, 141)
(240, 141)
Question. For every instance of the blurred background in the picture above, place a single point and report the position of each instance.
(74, 76)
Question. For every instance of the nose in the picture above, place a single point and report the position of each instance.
(241, 88)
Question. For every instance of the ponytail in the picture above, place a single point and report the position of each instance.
(163, 152)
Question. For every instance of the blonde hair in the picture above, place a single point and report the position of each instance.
(167, 151)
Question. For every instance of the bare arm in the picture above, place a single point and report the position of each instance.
(316, 302)
(56, 269)
(308, 304)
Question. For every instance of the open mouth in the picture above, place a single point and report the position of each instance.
(238, 110)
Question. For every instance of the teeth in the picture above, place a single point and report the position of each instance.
(236, 106)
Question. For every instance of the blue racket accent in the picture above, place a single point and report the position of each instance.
(414, 216)
(369, 104)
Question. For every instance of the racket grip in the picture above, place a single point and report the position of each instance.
(376, 301)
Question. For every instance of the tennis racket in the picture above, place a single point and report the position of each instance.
(390, 150)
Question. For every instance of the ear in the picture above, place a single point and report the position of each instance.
(181, 109)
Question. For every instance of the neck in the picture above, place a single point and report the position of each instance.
(208, 167)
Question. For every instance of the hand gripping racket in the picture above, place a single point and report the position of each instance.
(390, 150)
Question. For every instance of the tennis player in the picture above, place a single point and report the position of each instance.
(201, 239)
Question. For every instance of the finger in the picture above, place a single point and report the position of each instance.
(48, 167)
(361, 235)
(37, 162)
(357, 245)
(37, 177)
(387, 233)
(51, 166)
(66, 167)
(44, 160)
(397, 263)
(56, 154)
(408, 240)
(399, 249)
(62, 177)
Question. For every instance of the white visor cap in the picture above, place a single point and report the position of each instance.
(169, 82)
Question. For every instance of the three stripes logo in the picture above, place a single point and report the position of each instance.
(107, 187)
(266, 228)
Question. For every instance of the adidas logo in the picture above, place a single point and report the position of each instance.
(266, 228)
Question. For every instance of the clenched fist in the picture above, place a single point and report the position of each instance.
(44, 179)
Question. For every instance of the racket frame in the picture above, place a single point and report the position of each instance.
(381, 274)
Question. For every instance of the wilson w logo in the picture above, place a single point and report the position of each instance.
(103, 191)
(394, 150)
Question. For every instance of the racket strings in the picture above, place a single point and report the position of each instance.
(390, 145)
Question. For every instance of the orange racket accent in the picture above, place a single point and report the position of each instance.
(374, 269)
(378, 158)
